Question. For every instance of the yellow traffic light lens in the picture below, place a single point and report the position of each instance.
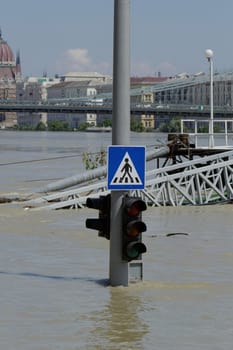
(134, 228)
(133, 232)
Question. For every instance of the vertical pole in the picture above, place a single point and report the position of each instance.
(211, 104)
(119, 270)
(195, 131)
(182, 126)
(226, 134)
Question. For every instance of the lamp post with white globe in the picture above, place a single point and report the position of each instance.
(209, 55)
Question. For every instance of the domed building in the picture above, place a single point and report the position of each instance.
(9, 67)
(10, 73)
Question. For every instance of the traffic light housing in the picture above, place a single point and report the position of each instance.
(102, 224)
(132, 228)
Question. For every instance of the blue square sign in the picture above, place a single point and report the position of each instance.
(126, 167)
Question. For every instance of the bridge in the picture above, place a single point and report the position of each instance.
(83, 107)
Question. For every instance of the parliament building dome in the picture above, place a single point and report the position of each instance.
(6, 54)
(9, 67)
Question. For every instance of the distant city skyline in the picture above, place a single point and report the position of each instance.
(169, 37)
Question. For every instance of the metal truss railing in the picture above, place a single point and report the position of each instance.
(197, 182)
(201, 181)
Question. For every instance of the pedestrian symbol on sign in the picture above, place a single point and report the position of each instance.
(127, 168)
(126, 172)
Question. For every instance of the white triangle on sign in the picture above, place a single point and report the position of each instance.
(126, 173)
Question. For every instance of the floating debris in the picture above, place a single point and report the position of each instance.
(5, 200)
(177, 234)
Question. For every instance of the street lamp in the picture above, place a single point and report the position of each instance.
(209, 55)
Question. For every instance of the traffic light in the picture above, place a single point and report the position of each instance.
(102, 224)
(132, 228)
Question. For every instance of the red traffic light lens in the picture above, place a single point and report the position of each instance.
(134, 210)
(135, 207)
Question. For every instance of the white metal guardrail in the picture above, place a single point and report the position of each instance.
(226, 126)
(201, 181)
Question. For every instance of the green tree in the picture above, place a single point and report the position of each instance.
(106, 123)
(25, 127)
(203, 129)
(40, 126)
(137, 126)
(172, 126)
(83, 126)
(58, 125)
(94, 160)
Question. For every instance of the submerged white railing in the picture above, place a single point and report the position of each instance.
(205, 180)
(225, 125)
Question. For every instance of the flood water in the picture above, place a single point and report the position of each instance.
(54, 291)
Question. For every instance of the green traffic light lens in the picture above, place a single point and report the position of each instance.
(133, 253)
(134, 249)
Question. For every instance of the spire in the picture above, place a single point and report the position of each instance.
(17, 57)
(18, 65)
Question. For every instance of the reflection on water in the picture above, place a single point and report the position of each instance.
(118, 325)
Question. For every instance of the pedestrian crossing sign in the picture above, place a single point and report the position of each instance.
(126, 167)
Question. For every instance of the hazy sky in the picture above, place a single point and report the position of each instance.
(167, 36)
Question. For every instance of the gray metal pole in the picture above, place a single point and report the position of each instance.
(211, 105)
(119, 273)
